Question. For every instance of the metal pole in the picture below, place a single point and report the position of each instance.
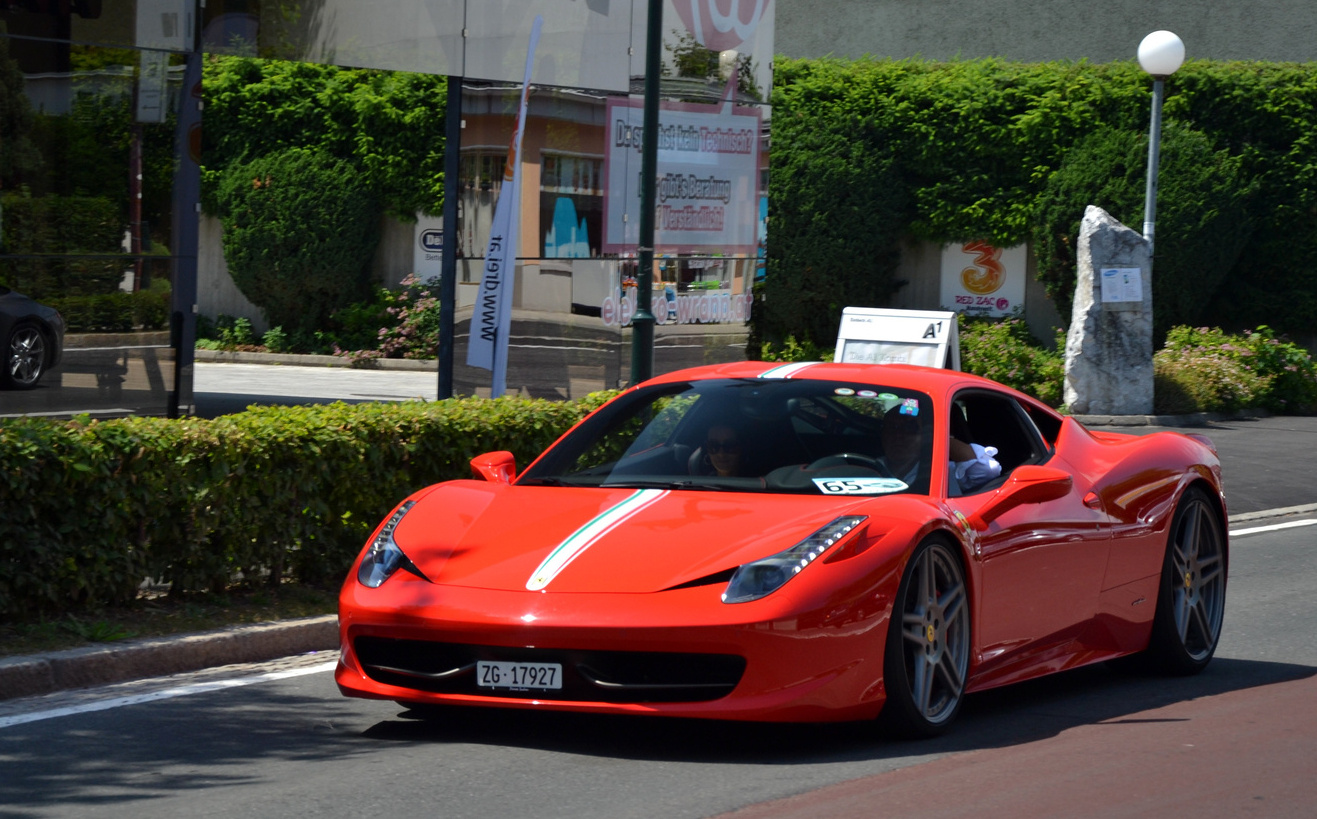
(448, 266)
(186, 232)
(642, 324)
(1154, 155)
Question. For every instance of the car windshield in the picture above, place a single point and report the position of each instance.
(751, 435)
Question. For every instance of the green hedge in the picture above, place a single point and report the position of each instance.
(954, 151)
(388, 124)
(116, 312)
(60, 225)
(92, 508)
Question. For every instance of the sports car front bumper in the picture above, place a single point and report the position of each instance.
(678, 653)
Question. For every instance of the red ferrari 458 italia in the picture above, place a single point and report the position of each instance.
(800, 542)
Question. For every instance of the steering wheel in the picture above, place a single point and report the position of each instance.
(850, 459)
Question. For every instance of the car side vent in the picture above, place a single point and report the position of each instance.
(716, 579)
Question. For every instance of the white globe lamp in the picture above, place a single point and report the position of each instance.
(1161, 53)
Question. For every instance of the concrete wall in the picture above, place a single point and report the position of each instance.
(217, 295)
(1039, 30)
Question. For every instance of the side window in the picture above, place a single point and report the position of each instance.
(991, 419)
(1047, 424)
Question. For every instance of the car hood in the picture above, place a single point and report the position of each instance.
(619, 540)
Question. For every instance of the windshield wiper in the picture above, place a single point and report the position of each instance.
(684, 483)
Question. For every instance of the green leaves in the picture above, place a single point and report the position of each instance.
(389, 125)
(300, 228)
(91, 508)
(867, 153)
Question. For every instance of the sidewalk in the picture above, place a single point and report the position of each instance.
(26, 676)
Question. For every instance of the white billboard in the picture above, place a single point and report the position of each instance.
(707, 190)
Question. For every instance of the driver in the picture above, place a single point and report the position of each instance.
(900, 437)
(725, 451)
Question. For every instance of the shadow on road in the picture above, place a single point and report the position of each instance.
(240, 742)
(1003, 717)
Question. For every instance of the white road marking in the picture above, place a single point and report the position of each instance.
(1272, 528)
(163, 694)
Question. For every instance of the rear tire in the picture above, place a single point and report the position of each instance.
(1192, 594)
(926, 661)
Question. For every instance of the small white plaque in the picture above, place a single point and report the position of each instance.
(1122, 285)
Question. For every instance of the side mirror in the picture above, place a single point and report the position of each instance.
(495, 467)
(1027, 484)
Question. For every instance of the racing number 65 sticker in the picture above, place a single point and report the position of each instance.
(860, 486)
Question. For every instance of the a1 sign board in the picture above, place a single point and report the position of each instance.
(872, 335)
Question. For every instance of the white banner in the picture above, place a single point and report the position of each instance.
(707, 191)
(492, 320)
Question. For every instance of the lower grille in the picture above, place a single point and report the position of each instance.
(595, 676)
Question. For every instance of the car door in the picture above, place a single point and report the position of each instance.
(1039, 566)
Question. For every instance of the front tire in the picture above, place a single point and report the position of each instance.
(928, 644)
(1192, 595)
(25, 357)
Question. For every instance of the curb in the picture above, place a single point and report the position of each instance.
(31, 675)
(289, 359)
(1192, 419)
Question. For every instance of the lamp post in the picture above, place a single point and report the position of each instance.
(1161, 54)
(642, 322)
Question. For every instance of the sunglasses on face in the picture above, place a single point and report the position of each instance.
(722, 446)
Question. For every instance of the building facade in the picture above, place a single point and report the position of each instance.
(100, 168)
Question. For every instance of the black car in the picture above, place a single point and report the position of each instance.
(31, 338)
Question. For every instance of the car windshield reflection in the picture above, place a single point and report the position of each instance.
(751, 435)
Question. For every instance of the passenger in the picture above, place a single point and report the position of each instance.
(970, 467)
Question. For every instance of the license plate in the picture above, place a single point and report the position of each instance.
(518, 675)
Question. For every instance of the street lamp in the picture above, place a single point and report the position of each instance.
(642, 321)
(1161, 54)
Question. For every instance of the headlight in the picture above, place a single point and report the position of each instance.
(762, 577)
(384, 557)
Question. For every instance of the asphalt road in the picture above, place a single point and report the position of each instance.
(1237, 739)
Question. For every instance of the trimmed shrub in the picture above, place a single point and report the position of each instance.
(300, 228)
(61, 224)
(1202, 379)
(838, 210)
(388, 124)
(116, 312)
(91, 508)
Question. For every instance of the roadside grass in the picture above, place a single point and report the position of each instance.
(158, 615)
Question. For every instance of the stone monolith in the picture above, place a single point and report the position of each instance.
(1108, 349)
